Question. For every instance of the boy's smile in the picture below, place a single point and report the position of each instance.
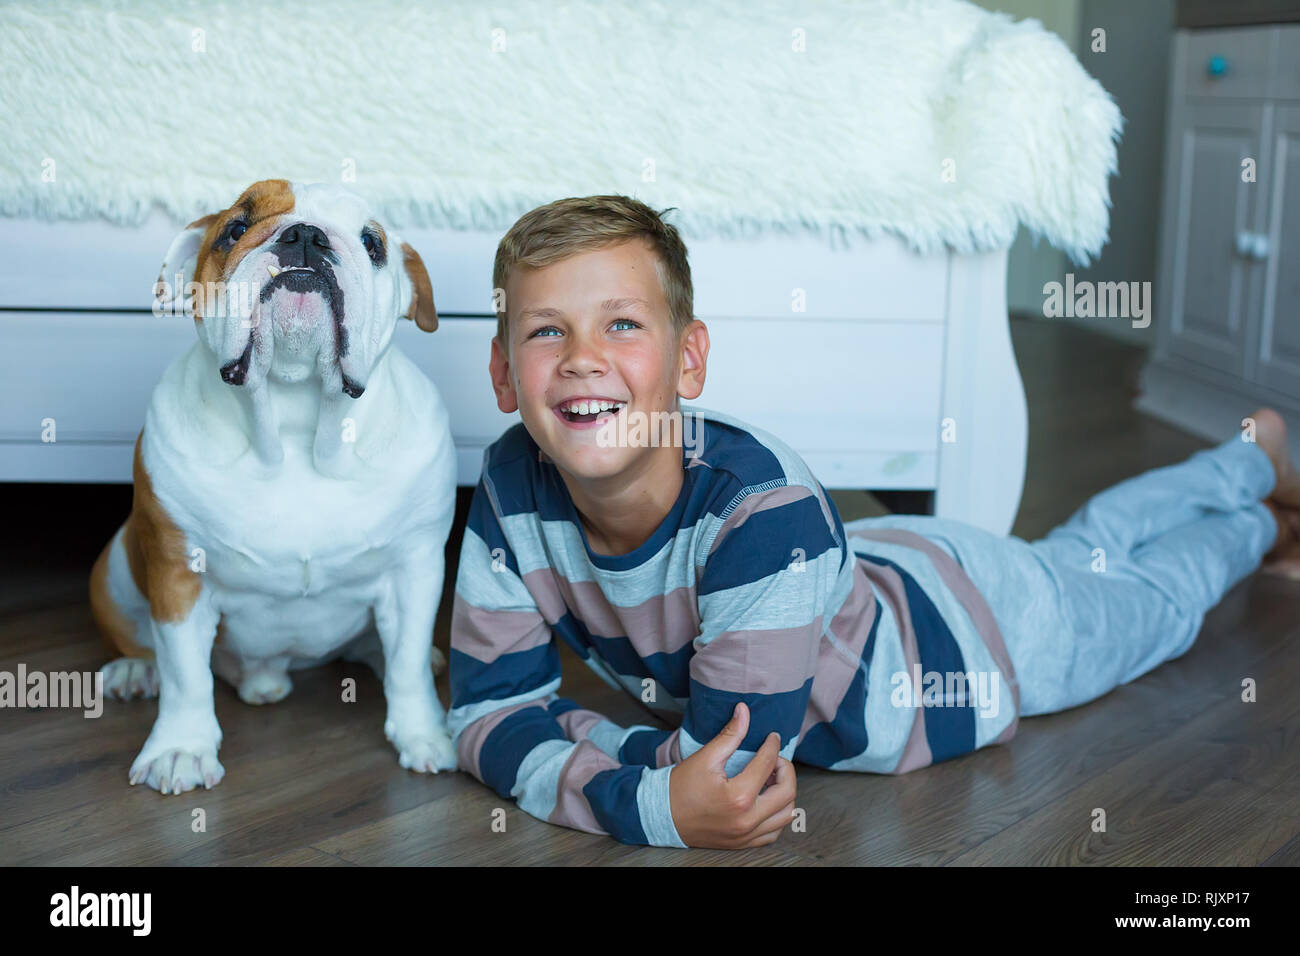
(592, 339)
(588, 411)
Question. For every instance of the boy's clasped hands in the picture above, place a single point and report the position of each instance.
(750, 809)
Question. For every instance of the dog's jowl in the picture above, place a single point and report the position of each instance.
(295, 482)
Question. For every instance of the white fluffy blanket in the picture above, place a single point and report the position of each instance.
(931, 119)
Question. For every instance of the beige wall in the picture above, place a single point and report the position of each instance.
(1135, 70)
(1059, 16)
(1030, 266)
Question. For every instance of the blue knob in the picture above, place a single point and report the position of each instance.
(1217, 66)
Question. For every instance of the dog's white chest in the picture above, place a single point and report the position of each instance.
(300, 534)
(295, 560)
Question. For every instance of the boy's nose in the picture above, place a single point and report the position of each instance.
(583, 355)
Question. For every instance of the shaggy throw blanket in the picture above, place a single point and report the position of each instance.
(931, 119)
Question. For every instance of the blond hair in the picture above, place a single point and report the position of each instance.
(567, 227)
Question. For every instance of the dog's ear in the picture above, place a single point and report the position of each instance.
(421, 308)
(178, 265)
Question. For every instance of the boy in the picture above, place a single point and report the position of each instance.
(711, 577)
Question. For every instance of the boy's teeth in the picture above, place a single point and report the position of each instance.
(589, 408)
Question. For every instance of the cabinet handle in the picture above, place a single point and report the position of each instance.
(1253, 245)
(1216, 66)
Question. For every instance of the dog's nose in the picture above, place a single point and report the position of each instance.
(302, 244)
(304, 234)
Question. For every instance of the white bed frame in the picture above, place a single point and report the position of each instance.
(888, 347)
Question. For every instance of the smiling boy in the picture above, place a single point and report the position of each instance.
(713, 580)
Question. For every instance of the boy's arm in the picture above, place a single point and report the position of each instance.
(767, 587)
(556, 760)
(761, 622)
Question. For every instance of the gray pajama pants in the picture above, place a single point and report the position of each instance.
(1126, 582)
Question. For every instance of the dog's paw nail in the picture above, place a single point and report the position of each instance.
(170, 772)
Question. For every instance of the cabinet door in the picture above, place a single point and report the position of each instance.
(1210, 281)
(1279, 334)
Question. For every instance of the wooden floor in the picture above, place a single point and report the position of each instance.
(1185, 772)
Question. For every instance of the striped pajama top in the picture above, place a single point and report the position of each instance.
(748, 590)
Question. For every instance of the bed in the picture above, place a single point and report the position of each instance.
(868, 331)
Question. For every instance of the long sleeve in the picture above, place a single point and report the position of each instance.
(764, 596)
(560, 763)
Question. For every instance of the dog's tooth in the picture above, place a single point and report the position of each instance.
(273, 270)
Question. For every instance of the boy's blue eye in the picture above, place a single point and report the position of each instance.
(550, 328)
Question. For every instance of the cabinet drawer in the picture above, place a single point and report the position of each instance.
(99, 265)
(858, 399)
(1242, 53)
(94, 373)
(91, 373)
(830, 385)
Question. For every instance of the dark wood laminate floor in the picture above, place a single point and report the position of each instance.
(1185, 772)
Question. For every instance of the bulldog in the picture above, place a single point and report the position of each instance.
(294, 483)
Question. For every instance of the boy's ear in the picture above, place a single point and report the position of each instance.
(178, 266)
(694, 348)
(499, 369)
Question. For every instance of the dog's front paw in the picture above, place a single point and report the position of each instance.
(179, 756)
(129, 677)
(178, 770)
(427, 754)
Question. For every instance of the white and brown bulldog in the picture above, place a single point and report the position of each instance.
(295, 482)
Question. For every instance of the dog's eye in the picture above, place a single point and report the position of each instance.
(233, 231)
(374, 247)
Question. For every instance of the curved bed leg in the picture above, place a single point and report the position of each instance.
(984, 422)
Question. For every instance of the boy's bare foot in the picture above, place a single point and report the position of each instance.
(1284, 557)
(1270, 435)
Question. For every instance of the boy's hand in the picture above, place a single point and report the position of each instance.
(712, 811)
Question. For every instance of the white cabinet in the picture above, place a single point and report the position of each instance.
(1227, 303)
(1279, 329)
